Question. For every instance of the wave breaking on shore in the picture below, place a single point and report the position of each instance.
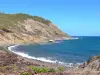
(48, 60)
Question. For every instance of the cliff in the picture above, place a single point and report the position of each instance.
(23, 28)
(92, 64)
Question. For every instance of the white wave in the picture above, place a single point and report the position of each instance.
(75, 38)
(28, 56)
(11, 48)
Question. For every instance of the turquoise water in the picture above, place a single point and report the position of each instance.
(69, 51)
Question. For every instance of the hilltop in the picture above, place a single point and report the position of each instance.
(23, 28)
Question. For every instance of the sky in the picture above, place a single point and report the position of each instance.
(75, 17)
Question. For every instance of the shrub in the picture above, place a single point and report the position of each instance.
(45, 70)
(25, 73)
(61, 69)
(14, 69)
(39, 70)
(35, 69)
(52, 70)
(98, 57)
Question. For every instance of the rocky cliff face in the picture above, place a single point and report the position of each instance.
(23, 28)
(92, 64)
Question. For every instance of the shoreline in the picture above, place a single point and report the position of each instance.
(19, 64)
(42, 59)
(32, 58)
(12, 63)
(46, 64)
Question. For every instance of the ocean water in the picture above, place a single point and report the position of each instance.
(67, 52)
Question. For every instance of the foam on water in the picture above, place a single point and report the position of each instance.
(26, 55)
(11, 48)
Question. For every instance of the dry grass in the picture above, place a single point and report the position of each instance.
(7, 20)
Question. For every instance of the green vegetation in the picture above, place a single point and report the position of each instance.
(45, 70)
(52, 70)
(7, 20)
(98, 57)
(61, 69)
(32, 69)
(39, 70)
(25, 73)
(42, 20)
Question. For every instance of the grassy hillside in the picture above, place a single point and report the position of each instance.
(19, 28)
(7, 20)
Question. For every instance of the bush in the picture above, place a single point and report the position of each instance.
(61, 69)
(35, 69)
(42, 69)
(25, 73)
(98, 57)
(52, 70)
(39, 70)
(45, 70)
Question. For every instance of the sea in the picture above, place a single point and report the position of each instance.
(65, 52)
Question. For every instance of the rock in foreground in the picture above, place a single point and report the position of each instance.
(11, 64)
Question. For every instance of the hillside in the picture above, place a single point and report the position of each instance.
(12, 64)
(23, 28)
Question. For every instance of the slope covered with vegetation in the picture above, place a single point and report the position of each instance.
(7, 20)
(24, 28)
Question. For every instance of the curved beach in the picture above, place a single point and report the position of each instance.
(41, 60)
(19, 63)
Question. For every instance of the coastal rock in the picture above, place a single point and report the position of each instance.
(7, 59)
(13, 64)
(93, 63)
